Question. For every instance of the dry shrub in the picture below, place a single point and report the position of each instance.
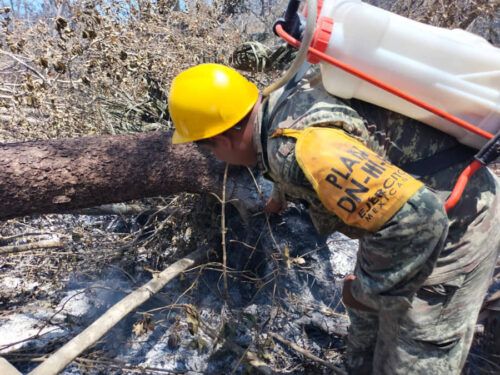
(94, 67)
(101, 66)
(479, 16)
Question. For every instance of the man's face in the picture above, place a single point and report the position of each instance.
(234, 146)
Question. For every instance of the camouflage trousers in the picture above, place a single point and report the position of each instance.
(432, 337)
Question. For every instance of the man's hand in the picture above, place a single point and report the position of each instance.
(274, 206)
(347, 297)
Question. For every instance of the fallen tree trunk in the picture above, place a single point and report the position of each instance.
(61, 175)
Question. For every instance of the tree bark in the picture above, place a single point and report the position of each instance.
(61, 175)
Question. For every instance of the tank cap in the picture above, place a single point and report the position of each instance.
(321, 37)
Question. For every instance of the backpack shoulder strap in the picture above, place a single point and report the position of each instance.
(268, 117)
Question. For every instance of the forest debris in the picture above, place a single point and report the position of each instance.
(306, 353)
(192, 319)
(91, 90)
(58, 361)
(44, 244)
(143, 326)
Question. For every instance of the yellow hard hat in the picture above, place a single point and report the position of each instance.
(207, 100)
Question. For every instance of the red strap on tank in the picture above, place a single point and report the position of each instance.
(393, 90)
(467, 173)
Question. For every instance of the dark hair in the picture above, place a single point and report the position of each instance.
(203, 142)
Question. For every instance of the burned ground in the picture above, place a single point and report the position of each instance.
(77, 71)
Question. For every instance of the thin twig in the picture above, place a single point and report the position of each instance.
(109, 363)
(124, 367)
(223, 229)
(117, 209)
(307, 354)
(34, 337)
(259, 190)
(14, 57)
(28, 234)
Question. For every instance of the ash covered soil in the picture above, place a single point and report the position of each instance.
(282, 278)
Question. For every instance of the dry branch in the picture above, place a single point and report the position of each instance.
(44, 244)
(307, 354)
(7, 369)
(58, 361)
(117, 209)
(27, 66)
(224, 230)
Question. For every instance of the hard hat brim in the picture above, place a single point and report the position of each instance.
(179, 139)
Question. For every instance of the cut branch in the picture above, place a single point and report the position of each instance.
(59, 360)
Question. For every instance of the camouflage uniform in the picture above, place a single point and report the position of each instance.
(257, 57)
(424, 273)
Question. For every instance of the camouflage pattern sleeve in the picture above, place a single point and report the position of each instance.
(290, 184)
(276, 194)
(310, 105)
(394, 262)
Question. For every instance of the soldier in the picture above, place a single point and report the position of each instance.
(421, 274)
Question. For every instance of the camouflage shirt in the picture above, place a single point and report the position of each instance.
(413, 247)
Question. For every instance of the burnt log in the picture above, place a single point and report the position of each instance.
(55, 176)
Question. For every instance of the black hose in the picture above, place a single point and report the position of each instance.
(291, 21)
(490, 151)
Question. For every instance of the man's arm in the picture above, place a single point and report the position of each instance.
(276, 203)
(347, 297)
(394, 261)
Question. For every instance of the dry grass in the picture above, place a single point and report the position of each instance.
(103, 68)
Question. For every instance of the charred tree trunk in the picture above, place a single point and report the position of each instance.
(62, 175)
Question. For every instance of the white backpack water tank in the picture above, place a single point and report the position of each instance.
(453, 70)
